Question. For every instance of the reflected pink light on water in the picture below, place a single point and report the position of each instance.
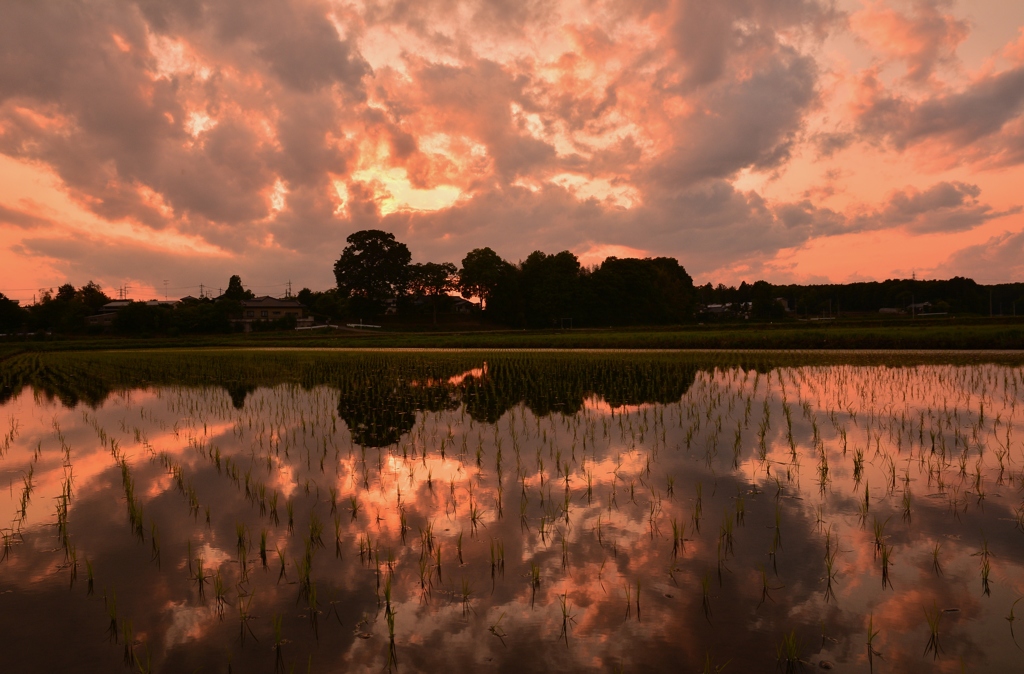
(829, 449)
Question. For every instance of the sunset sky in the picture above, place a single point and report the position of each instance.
(791, 140)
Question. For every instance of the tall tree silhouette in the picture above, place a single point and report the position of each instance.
(373, 268)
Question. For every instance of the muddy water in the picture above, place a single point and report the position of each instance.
(510, 512)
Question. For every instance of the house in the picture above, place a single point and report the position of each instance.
(268, 308)
(105, 316)
(462, 306)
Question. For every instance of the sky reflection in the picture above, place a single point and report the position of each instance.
(541, 514)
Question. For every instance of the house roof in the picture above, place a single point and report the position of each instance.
(268, 302)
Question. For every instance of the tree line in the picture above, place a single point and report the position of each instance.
(375, 277)
(957, 295)
(555, 290)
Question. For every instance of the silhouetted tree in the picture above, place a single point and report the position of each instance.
(12, 316)
(329, 304)
(433, 280)
(67, 310)
(631, 291)
(549, 284)
(92, 296)
(764, 306)
(236, 291)
(482, 272)
(373, 268)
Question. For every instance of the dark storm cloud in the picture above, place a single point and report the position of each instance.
(749, 123)
(943, 207)
(977, 114)
(705, 35)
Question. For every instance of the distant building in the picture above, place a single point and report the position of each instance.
(462, 306)
(268, 308)
(105, 316)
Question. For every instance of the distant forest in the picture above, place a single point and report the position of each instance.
(376, 280)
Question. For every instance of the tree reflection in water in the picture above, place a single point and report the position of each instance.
(510, 511)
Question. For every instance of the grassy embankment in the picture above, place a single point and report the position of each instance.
(978, 334)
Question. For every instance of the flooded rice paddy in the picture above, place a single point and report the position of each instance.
(325, 512)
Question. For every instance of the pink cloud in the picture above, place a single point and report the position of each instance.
(923, 39)
(271, 130)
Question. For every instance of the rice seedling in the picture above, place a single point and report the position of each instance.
(497, 630)
(145, 664)
(278, 644)
(346, 440)
(497, 548)
(872, 634)
(886, 561)
(879, 530)
(534, 575)
(1011, 618)
(128, 639)
(933, 646)
(568, 618)
(281, 574)
(200, 577)
(830, 567)
(788, 653)
(710, 668)
(705, 603)
(316, 530)
(466, 592)
(765, 587)
(219, 591)
(678, 537)
(8, 542)
(111, 606)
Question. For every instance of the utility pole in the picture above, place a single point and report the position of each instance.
(200, 291)
(288, 293)
(165, 290)
(990, 303)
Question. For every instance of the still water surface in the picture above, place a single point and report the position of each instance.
(510, 512)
